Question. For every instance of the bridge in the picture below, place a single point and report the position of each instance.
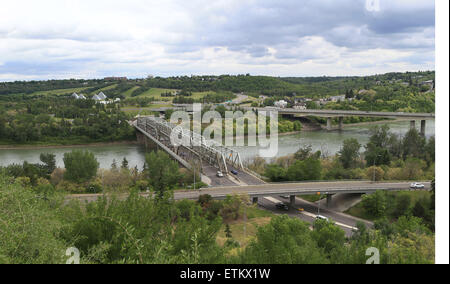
(286, 189)
(196, 152)
(340, 114)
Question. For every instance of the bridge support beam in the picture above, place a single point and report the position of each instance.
(292, 200)
(255, 200)
(423, 125)
(412, 124)
(329, 124)
(329, 197)
(341, 123)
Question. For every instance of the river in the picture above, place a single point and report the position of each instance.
(327, 142)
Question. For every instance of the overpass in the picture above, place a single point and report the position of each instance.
(330, 114)
(283, 189)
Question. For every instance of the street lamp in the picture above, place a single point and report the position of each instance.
(373, 169)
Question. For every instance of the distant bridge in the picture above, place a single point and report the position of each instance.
(329, 114)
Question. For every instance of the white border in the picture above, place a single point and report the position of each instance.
(442, 126)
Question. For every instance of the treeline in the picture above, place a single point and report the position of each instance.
(28, 87)
(386, 157)
(63, 120)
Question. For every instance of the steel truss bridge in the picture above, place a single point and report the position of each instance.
(195, 149)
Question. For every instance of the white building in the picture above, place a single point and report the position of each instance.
(102, 96)
(337, 98)
(281, 104)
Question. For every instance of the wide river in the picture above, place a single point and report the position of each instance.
(327, 142)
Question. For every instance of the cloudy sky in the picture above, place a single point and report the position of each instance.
(48, 39)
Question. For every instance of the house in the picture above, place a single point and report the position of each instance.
(281, 104)
(337, 98)
(300, 106)
(102, 96)
(428, 83)
(78, 97)
(96, 98)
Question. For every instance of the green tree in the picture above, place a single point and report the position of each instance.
(375, 204)
(309, 169)
(49, 162)
(124, 164)
(413, 144)
(81, 166)
(349, 153)
(163, 172)
(275, 173)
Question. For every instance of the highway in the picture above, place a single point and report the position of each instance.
(288, 189)
(344, 221)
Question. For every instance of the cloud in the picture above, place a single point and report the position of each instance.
(58, 38)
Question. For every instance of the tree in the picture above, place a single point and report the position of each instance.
(81, 166)
(228, 233)
(306, 152)
(125, 163)
(349, 153)
(309, 169)
(375, 173)
(375, 203)
(284, 240)
(49, 162)
(413, 144)
(402, 205)
(275, 173)
(163, 172)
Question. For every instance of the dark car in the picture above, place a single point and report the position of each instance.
(282, 206)
(234, 172)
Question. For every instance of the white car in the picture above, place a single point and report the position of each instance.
(320, 217)
(219, 174)
(417, 185)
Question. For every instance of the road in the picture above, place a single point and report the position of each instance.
(296, 189)
(311, 210)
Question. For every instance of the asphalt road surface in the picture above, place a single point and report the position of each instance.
(311, 210)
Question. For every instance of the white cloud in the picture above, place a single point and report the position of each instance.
(68, 38)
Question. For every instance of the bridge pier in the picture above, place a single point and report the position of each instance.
(255, 200)
(292, 200)
(329, 197)
(329, 124)
(341, 123)
(423, 125)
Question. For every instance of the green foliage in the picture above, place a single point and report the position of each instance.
(309, 169)
(375, 203)
(29, 226)
(81, 166)
(285, 240)
(162, 171)
(349, 153)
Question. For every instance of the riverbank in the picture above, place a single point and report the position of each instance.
(59, 146)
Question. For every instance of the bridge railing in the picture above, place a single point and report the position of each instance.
(208, 149)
